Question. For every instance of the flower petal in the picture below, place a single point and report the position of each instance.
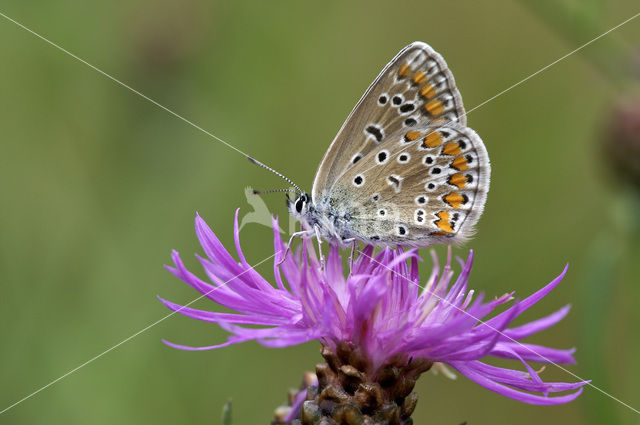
(495, 385)
(377, 307)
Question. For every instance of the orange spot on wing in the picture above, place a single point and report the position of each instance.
(443, 221)
(412, 135)
(434, 108)
(458, 180)
(428, 91)
(432, 140)
(440, 234)
(419, 77)
(404, 70)
(455, 199)
(451, 148)
(460, 163)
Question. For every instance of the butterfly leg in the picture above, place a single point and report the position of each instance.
(300, 234)
(316, 228)
(353, 250)
(354, 243)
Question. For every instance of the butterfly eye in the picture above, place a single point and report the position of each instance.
(299, 205)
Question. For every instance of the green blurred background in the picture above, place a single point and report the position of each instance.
(98, 185)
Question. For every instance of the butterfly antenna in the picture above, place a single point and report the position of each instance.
(261, 192)
(260, 164)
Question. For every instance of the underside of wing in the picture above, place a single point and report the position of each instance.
(415, 89)
(419, 187)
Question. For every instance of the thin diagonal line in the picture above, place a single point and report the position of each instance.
(544, 68)
(430, 292)
(241, 152)
(135, 334)
(175, 114)
(552, 63)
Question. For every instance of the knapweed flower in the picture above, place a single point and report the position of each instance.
(379, 326)
(621, 138)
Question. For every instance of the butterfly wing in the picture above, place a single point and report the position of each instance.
(416, 88)
(419, 187)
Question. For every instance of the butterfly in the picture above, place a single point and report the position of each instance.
(404, 169)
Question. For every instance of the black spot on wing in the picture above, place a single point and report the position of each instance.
(375, 132)
(407, 107)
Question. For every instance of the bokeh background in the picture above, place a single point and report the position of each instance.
(98, 185)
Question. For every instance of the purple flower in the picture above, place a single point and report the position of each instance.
(381, 309)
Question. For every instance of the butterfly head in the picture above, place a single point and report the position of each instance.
(300, 207)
